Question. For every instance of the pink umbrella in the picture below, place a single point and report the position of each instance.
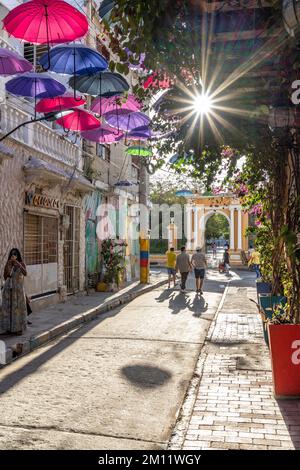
(103, 105)
(59, 103)
(102, 135)
(46, 22)
(12, 63)
(79, 120)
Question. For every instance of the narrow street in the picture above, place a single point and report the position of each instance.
(116, 383)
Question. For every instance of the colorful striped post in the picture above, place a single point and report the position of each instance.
(144, 260)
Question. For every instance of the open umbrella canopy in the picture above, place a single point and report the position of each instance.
(46, 22)
(12, 63)
(102, 105)
(107, 83)
(126, 120)
(102, 135)
(35, 85)
(59, 103)
(140, 133)
(184, 193)
(124, 183)
(74, 59)
(79, 120)
(139, 151)
(105, 9)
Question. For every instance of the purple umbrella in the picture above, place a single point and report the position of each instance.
(140, 133)
(126, 120)
(35, 85)
(102, 135)
(12, 63)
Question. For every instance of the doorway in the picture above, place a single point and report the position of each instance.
(71, 250)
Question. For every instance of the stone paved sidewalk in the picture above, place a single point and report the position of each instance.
(234, 407)
(52, 321)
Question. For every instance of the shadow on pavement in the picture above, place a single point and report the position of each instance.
(145, 376)
(290, 410)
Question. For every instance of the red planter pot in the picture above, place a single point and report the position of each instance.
(285, 356)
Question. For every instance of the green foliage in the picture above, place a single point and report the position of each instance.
(113, 260)
(217, 226)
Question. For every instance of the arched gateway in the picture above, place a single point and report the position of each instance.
(200, 208)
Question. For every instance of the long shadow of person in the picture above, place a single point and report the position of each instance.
(178, 302)
(165, 295)
(199, 306)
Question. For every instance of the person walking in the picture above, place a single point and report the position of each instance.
(254, 261)
(183, 265)
(199, 263)
(214, 249)
(13, 318)
(171, 263)
(226, 260)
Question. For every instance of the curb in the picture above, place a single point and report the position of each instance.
(35, 342)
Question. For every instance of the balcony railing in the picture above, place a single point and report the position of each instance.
(39, 136)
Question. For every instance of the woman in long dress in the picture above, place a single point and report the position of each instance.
(13, 318)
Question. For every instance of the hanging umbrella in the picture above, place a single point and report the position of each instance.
(102, 135)
(74, 59)
(139, 133)
(100, 84)
(35, 85)
(105, 9)
(46, 22)
(124, 183)
(126, 120)
(12, 63)
(59, 103)
(184, 193)
(139, 151)
(79, 120)
(102, 105)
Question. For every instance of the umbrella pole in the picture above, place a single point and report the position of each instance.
(118, 130)
(76, 99)
(48, 44)
(126, 132)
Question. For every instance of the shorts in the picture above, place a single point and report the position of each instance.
(199, 273)
(171, 271)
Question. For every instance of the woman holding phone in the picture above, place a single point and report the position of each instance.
(14, 310)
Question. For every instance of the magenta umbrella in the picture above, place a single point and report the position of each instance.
(46, 22)
(102, 135)
(79, 120)
(103, 105)
(12, 63)
(126, 120)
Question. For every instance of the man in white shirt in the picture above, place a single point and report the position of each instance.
(199, 263)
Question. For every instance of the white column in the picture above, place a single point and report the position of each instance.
(195, 227)
(232, 228)
(239, 228)
(188, 228)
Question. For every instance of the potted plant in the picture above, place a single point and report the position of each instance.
(113, 263)
(284, 338)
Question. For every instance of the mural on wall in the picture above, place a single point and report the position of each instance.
(92, 244)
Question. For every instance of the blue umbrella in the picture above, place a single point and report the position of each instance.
(74, 59)
(184, 193)
(105, 9)
(35, 85)
(125, 183)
